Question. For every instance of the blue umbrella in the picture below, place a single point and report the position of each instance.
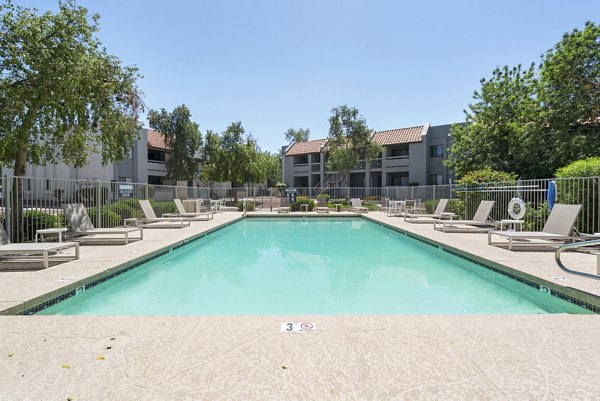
(551, 194)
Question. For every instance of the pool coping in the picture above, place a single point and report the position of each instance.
(41, 302)
(572, 295)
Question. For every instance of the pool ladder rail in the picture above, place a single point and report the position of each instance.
(578, 245)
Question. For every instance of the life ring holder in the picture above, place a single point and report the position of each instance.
(516, 208)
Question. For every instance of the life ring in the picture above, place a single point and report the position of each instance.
(516, 208)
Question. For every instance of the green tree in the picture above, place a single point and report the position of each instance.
(232, 156)
(272, 168)
(535, 120)
(299, 135)
(62, 95)
(349, 141)
(497, 125)
(570, 79)
(183, 137)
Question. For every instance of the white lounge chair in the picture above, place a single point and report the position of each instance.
(556, 231)
(356, 206)
(284, 205)
(322, 205)
(162, 222)
(80, 224)
(481, 221)
(197, 216)
(438, 213)
(44, 249)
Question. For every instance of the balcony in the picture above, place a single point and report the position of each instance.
(156, 165)
(315, 167)
(376, 163)
(397, 153)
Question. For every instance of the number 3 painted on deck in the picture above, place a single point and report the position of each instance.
(290, 327)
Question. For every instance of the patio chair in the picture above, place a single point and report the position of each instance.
(437, 214)
(150, 218)
(385, 204)
(284, 205)
(197, 216)
(80, 224)
(44, 249)
(409, 207)
(556, 231)
(322, 205)
(356, 206)
(480, 223)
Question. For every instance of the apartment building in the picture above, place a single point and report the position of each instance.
(410, 156)
(145, 164)
(147, 160)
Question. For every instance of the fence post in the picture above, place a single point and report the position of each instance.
(433, 194)
(597, 182)
(7, 194)
(146, 190)
(98, 206)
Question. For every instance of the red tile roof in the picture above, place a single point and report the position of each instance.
(401, 135)
(301, 148)
(157, 140)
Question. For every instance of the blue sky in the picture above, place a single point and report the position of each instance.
(279, 64)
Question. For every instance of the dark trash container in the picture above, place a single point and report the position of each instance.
(291, 193)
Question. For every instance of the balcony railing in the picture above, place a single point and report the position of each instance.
(376, 163)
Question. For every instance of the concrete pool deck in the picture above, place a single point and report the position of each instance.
(248, 357)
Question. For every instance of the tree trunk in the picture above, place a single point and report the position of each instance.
(16, 210)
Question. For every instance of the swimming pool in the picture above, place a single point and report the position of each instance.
(309, 266)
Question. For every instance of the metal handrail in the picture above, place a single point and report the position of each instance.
(577, 245)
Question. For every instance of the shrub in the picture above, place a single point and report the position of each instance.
(281, 187)
(535, 218)
(109, 218)
(250, 207)
(486, 175)
(473, 184)
(371, 206)
(574, 191)
(580, 168)
(331, 204)
(126, 208)
(303, 200)
(326, 196)
(34, 220)
(455, 206)
(161, 207)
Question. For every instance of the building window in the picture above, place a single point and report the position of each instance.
(398, 152)
(130, 153)
(125, 179)
(397, 179)
(156, 155)
(48, 185)
(300, 160)
(436, 179)
(436, 151)
(155, 180)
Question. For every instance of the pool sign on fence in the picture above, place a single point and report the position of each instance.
(296, 327)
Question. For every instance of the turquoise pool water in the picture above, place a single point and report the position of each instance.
(310, 266)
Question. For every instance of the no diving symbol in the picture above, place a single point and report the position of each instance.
(290, 327)
(307, 326)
